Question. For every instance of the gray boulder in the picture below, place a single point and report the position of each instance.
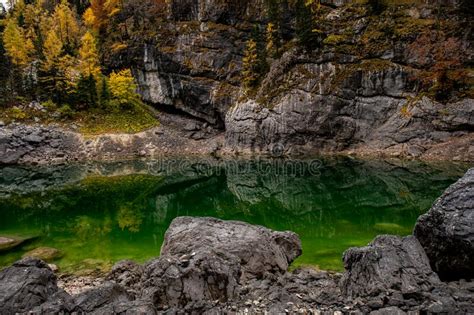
(191, 283)
(25, 285)
(447, 231)
(260, 251)
(388, 264)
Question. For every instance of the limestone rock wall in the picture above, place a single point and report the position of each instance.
(360, 93)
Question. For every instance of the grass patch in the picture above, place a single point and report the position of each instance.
(128, 121)
(90, 122)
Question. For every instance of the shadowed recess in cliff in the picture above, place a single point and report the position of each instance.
(97, 214)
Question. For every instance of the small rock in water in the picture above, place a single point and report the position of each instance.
(44, 253)
(7, 243)
(2, 123)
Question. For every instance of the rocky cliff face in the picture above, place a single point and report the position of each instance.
(197, 68)
(370, 111)
(393, 84)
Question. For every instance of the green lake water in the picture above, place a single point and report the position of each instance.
(100, 213)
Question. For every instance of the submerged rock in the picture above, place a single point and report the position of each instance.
(447, 231)
(44, 253)
(7, 243)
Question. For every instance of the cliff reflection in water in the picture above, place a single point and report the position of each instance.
(101, 213)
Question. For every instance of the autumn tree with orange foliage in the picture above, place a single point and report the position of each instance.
(98, 15)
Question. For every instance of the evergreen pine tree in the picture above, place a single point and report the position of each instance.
(376, 6)
(305, 26)
(276, 24)
(259, 37)
(104, 95)
(86, 93)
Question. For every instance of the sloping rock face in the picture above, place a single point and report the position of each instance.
(37, 144)
(18, 143)
(259, 250)
(447, 231)
(360, 93)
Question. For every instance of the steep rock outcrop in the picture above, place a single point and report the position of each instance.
(447, 231)
(197, 68)
(325, 106)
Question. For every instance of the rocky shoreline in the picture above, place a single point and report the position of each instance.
(52, 145)
(212, 266)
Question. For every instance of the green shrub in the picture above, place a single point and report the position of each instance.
(49, 105)
(334, 39)
(17, 113)
(66, 111)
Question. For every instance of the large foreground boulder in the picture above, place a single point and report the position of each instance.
(28, 283)
(260, 251)
(388, 264)
(205, 261)
(446, 232)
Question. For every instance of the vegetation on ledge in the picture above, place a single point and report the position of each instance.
(91, 122)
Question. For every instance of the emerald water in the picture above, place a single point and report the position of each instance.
(100, 213)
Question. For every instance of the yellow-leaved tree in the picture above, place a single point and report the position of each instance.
(58, 74)
(52, 49)
(98, 15)
(123, 89)
(36, 23)
(250, 65)
(66, 25)
(272, 40)
(89, 63)
(18, 47)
